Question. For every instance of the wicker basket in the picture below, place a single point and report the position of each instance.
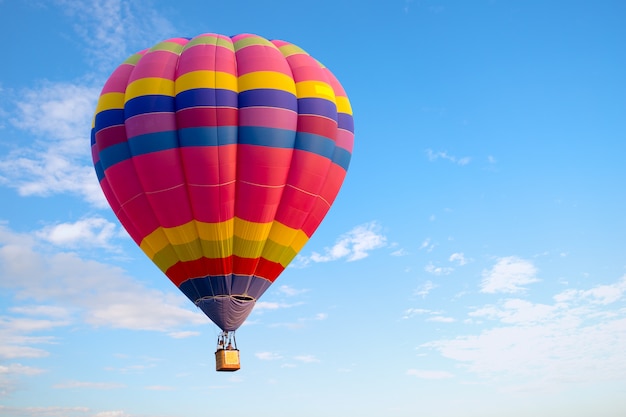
(227, 360)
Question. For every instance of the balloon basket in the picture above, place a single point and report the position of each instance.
(227, 360)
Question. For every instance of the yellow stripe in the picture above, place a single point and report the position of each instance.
(163, 237)
(149, 86)
(343, 105)
(274, 241)
(266, 79)
(252, 231)
(317, 89)
(252, 41)
(288, 50)
(206, 79)
(110, 101)
(215, 231)
(210, 40)
(288, 237)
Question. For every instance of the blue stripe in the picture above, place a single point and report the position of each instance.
(99, 171)
(266, 136)
(268, 98)
(342, 158)
(318, 106)
(345, 122)
(153, 142)
(114, 154)
(208, 136)
(317, 144)
(211, 286)
(108, 118)
(225, 135)
(206, 97)
(149, 104)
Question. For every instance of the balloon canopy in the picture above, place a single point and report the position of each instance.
(221, 156)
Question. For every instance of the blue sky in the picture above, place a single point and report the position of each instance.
(474, 263)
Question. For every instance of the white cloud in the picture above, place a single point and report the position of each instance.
(441, 319)
(101, 295)
(437, 270)
(540, 346)
(434, 155)
(59, 114)
(90, 232)
(459, 258)
(268, 356)
(352, 246)
(509, 275)
(603, 294)
(183, 335)
(306, 358)
(90, 385)
(290, 291)
(425, 289)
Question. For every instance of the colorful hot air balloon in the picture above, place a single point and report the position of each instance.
(221, 156)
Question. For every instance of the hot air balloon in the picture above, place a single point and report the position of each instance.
(221, 156)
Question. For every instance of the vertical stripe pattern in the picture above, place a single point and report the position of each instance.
(221, 156)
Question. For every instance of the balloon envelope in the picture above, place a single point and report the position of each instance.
(221, 156)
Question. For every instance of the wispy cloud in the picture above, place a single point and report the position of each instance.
(306, 358)
(268, 356)
(352, 246)
(509, 275)
(580, 337)
(459, 258)
(60, 115)
(425, 289)
(438, 270)
(100, 294)
(88, 384)
(435, 155)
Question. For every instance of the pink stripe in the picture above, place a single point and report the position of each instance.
(268, 117)
(118, 81)
(109, 136)
(207, 57)
(159, 64)
(335, 84)
(345, 139)
(206, 116)
(261, 58)
(150, 123)
(305, 68)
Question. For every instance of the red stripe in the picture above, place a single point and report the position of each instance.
(182, 271)
(268, 269)
(318, 125)
(206, 116)
(110, 136)
(260, 267)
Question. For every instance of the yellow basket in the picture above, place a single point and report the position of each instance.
(227, 360)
